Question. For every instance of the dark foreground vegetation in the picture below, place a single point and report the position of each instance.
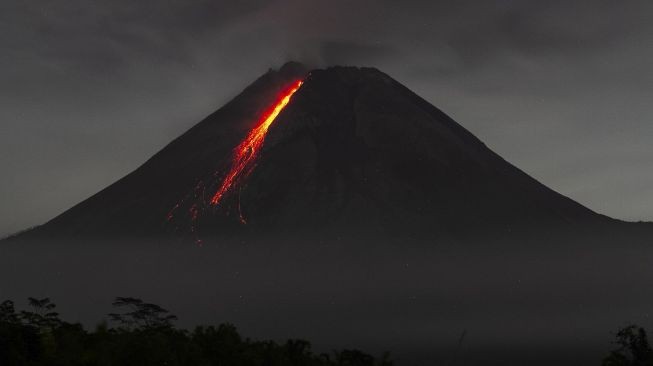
(633, 348)
(143, 334)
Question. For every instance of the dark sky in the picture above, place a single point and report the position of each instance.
(90, 89)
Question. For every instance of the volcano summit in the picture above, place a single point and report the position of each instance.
(338, 151)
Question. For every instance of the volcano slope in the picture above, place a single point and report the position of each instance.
(353, 153)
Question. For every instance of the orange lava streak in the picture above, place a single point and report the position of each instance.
(246, 152)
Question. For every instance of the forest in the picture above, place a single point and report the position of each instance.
(143, 334)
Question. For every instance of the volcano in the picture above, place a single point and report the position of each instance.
(338, 151)
(337, 205)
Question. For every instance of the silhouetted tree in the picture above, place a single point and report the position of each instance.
(19, 344)
(8, 312)
(42, 315)
(634, 348)
(353, 357)
(141, 314)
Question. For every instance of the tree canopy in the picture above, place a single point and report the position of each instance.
(143, 334)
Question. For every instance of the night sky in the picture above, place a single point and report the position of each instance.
(90, 90)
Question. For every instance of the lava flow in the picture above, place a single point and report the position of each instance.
(246, 152)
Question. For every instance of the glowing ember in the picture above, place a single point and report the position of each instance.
(246, 152)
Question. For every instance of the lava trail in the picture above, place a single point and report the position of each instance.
(246, 152)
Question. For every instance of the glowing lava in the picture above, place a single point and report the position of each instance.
(246, 152)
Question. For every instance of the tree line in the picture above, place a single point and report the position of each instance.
(143, 334)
